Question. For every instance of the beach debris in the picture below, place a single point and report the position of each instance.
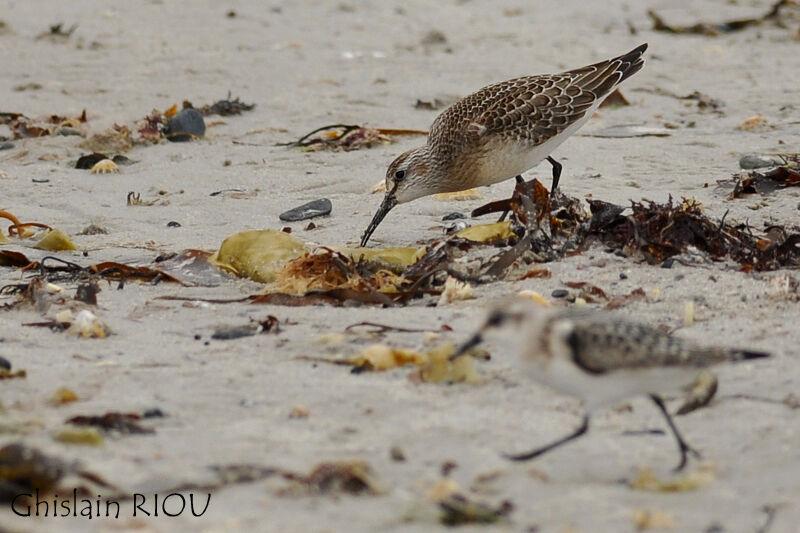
(347, 137)
(542, 273)
(224, 108)
(116, 139)
(7, 373)
(455, 290)
(255, 327)
(494, 233)
(257, 254)
(459, 196)
(23, 127)
(354, 477)
(84, 324)
(86, 162)
(615, 99)
(55, 240)
(433, 365)
(25, 469)
(5, 364)
(121, 423)
(646, 519)
(754, 161)
(646, 480)
(718, 28)
(57, 33)
(754, 123)
(457, 509)
(700, 394)
(85, 436)
(768, 181)
(535, 297)
(313, 209)
(299, 412)
(435, 104)
(63, 396)
(186, 125)
(104, 166)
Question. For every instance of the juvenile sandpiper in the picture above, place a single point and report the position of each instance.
(501, 131)
(601, 359)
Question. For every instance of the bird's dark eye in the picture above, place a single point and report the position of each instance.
(495, 318)
(400, 174)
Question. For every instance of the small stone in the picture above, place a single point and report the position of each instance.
(453, 216)
(66, 131)
(623, 275)
(752, 161)
(8, 145)
(186, 125)
(5, 363)
(155, 412)
(396, 453)
(316, 208)
(560, 293)
(668, 263)
(94, 229)
(310, 226)
(173, 224)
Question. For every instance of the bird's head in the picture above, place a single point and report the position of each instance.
(407, 178)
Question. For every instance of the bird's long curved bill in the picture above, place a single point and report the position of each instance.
(389, 201)
(467, 346)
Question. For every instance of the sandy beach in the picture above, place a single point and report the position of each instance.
(252, 402)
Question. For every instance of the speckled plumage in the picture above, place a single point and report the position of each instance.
(502, 130)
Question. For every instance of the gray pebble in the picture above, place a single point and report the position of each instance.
(317, 208)
(8, 145)
(752, 161)
(66, 131)
(186, 125)
(5, 363)
(560, 293)
(453, 216)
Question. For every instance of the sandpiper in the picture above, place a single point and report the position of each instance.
(602, 360)
(501, 131)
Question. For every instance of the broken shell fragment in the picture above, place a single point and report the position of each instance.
(104, 166)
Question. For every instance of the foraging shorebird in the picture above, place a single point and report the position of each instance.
(501, 131)
(602, 360)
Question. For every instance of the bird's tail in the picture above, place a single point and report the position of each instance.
(602, 77)
(630, 63)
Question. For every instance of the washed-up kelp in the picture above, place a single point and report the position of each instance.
(768, 181)
(24, 470)
(348, 137)
(22, 126)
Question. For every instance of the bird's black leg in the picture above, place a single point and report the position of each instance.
(684, 448)
(544, 449)
(556, 174)
(519, 180)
